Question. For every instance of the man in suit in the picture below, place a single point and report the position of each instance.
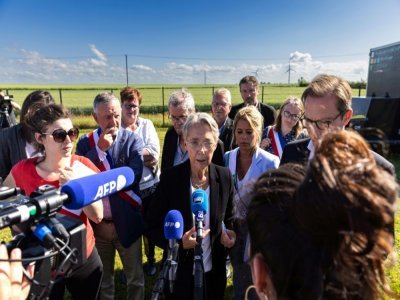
(221, 106)
(180, 106)
(327, 107)
(249, 91)
(110, 146)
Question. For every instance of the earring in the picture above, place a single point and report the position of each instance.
(246, 295)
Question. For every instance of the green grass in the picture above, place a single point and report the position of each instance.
(81, 96)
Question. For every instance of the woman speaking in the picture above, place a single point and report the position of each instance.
(200, 134)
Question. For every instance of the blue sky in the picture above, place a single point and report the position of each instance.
(184, 42)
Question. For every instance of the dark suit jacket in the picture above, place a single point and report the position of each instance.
(226, 135)
(267, 111)
(169, 149)
(12, 148)
(297, 152)
(173, 192)
(126, 151)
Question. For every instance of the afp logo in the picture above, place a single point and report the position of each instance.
(110, 187)
(169, 224)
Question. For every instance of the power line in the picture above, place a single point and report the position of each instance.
(195, 58)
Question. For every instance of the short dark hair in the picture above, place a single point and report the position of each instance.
(249, 79)
(34, 101)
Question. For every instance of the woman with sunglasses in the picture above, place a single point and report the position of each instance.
(54, 137)
(287, 127)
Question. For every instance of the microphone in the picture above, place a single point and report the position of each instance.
(173, 230)
(199, 209)
(86, 190)
(75, 194)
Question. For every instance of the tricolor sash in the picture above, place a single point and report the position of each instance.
(277, 141)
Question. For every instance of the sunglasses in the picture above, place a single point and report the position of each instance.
(59, 135)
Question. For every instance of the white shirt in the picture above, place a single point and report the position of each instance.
(311, 147)
(148, 133)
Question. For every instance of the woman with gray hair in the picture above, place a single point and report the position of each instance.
(200, 134)
(180, 107)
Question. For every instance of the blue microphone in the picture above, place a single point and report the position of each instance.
(199, 209)
(173, 231)
(86, 190)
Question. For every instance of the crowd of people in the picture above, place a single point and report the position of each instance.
(300, 207)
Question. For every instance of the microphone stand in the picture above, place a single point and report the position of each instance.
(169, 267)
(159, 286)
(198, 263)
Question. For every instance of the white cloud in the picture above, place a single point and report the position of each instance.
(33, 67)
(142, 68)
(100, 55)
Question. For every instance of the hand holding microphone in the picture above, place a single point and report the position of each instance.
(189, 238)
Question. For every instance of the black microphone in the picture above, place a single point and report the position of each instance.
(173, 230)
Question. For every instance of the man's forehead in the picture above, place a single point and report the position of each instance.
(176, 110)
(321, 106)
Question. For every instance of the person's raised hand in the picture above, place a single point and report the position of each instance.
(13, 284)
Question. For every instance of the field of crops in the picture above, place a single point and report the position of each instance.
(81, 96)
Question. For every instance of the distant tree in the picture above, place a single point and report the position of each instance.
(302, 82)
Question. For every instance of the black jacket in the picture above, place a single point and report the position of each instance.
(173, 192)
(267, 111)
(169, 149)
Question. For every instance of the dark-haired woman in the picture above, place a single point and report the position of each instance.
(54, 136)
(327, 236)
(16, 143)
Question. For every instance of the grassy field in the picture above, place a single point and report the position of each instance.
(81, 96)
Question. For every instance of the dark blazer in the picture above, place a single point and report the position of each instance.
(169, 149)
(173, 192)
(297, 152)
(126, 151)
(12, 148)
(226, 135)
(267, 111)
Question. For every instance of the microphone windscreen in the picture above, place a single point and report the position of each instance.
(199, 201)
(173, 225)
(86, 190)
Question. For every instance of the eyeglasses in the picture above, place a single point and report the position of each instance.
(321, 124)
(197, 145)
(59, 135)
(288, 115)
(130, 106)
(178, 119)
(223, 104)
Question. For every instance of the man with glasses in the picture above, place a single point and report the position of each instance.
(108, 147)
(327, 107)
(180, 106)
(221, 106)
(249, 90)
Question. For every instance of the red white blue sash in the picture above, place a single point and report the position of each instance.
(276, 141)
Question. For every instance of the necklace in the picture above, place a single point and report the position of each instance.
(199, 186)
